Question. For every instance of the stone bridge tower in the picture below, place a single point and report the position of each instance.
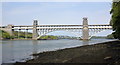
(35, 32)
(85, 32)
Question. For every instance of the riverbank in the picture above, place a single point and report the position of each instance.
(107, 52)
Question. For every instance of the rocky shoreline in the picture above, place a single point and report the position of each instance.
(106, 53)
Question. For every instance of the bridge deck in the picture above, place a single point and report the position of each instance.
(30, 27)
(63, 28)
(54, 25)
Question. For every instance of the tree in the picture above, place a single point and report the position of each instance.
(115, 21)
(4, 35)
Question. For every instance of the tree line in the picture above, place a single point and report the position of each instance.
(115, 19)
(5, 35)
(23, 35)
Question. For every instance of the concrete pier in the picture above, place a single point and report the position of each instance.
(35, 32)
(85, 32)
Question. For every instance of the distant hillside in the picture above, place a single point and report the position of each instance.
(22, 34)
(5, 35)
(106, 37)
(99, 37)
(48, 37)
(110, 36)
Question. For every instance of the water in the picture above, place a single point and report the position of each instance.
(21, 50)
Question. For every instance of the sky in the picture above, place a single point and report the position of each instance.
(23, 13)
(19, 13)
(58, 0)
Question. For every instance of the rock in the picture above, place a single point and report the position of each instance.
(108, 58)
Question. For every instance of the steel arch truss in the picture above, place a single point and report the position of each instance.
(74, 31)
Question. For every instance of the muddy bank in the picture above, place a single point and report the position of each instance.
(107, 52)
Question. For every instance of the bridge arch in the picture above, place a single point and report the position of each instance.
(68, 31)
(99, 31)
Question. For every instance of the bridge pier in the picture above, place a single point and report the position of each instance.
(35, 31)
(10, 30)
(85, 30)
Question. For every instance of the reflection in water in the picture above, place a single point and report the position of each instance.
(7, 52)
(85, 42)
(0, 52)
(35, 49)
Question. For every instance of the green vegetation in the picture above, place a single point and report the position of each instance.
(110, 36)
(96, 37)
(22, 35)
(4, 35)
(115, 21)
(67, 37)
(48, 37)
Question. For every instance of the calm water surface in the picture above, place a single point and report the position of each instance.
(21, 50)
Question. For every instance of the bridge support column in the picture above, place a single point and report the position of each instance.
(35, 32)
(85, 31)
(9, 30)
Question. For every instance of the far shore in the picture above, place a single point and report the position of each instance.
(28, 39)
(38, 39)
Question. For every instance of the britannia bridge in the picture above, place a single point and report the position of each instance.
(87, 31)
